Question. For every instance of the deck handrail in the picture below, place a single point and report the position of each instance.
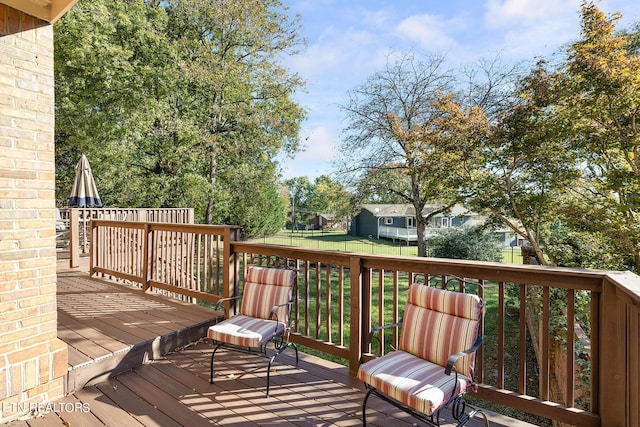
(77, 220)
(341, 295)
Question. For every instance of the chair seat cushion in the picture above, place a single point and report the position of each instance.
(245, 331)
(412, 381)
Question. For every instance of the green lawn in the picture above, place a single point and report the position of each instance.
(340, 241)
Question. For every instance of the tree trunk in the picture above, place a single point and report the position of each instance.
(212, 181)
(418, 205)
(422, 244)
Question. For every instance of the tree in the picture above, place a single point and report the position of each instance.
(233, 51)
(599, 96)
(390, 139)
(330, 197)
(112, 78)
(527, 164)
(300, 190)
(172, 100)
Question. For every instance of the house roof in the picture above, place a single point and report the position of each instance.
(47, 10)
(400, 210)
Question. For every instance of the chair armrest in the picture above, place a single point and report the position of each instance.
(274, 309)
(452, 359)
(373, 332)
(379, 328)
(219, 305)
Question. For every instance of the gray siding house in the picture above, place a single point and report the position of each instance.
(398, 222)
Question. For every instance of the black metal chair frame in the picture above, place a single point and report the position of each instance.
(278, 340)
(456, 402)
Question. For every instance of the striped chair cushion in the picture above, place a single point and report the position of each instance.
(245, 331)
(455, 303)
(265, 288)
(412, 381)
(438, 323)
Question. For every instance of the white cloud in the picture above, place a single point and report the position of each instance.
(529, 28)
(316, 155)
(335, 51)
(512, 13)
(430, 32)
(320, 145)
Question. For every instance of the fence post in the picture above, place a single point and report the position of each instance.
(229, 271)
(93, 248)
(74, 238)
(355, 332)
(147, 254)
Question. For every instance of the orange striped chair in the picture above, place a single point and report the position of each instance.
(433, 366)
(263, 318)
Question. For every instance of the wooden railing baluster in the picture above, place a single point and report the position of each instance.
(162, 256)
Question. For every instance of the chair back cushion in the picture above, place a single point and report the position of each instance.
(439, 323)
(265, 288)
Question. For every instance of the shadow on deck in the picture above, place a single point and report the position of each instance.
(111, 328)
(130, 365)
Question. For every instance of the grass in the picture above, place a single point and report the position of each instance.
(341, 241)
(490, 362)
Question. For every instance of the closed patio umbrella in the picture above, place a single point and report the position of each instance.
(84, 192)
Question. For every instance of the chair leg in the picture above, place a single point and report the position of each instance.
(211, 368)
(364, 407)
(475, 412)
(295, 347)
(281, 350)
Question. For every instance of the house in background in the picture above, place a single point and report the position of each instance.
(397, 222)
(324, 221)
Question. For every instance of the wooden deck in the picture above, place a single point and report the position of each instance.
(135, 377)
(111, 327)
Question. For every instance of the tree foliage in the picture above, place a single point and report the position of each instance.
(406, 136)
(601, 95)
(330, 197)
(300, 190)
(466, 243)
(177, 103)
(527, 164)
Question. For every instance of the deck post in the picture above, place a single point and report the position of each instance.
(93, 247)
(229, 271)
(74, 238)
(147, 247)
(613, 375)
(355, 332)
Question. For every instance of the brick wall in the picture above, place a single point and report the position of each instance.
(33, 362)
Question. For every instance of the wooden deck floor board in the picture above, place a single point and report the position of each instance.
(158, 397)
(86, 347)
(178, 384)
(105, 409)
(77, 413)
(138, 408)
(103, 334)
(142, 315)
(174, 389)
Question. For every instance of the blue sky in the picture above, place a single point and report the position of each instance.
(348, 40)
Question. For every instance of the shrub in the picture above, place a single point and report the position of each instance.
(465, 243)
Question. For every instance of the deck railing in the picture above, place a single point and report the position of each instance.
(77, 220)
(341, 295)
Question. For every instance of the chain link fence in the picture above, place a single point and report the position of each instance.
(341, 241)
